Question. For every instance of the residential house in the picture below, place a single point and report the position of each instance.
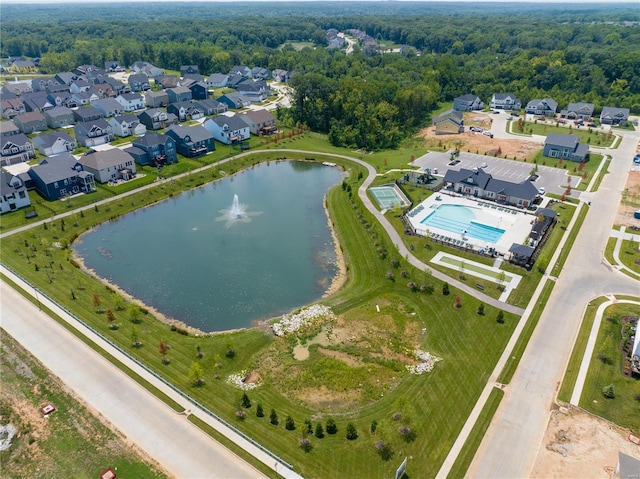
(154, 99)
(467, 102)
(185, 110)
(36, 101)
(59, 117)
(22, 66)
(131, 101)
(8, 128)
(15, 149)
(30, 122)
(614, 116)
(578, 111)
(104, 90)
(234, 80)
(217, 80)
(191, 141)
(156, 118)
(256, 91)
(189, 70)
(505, 101)
(13, 193)
(334, 42)
(127, 125)
(260, 73)
(113, 66)
(139, 82)
(85, 70)
(158, 149)
(60, 176)
(146, 68)
(228, 129)
(544, 107)
(260, 122)
(566, 147)
(241, 70)
(479, 184)
(235, 100)
(280, 76)
(62, 98)
(66, 78)
(199, 90)
(451, 121)
(211, 107)
(11, 108)
(108, 107)
(56, 143)
(109, 165)
(78, 86)
(42, 83)
(167, 81)
(85, 97)
(115, 85)
(628, 467)
(179, 93)
(93, 133)
(87, 113)
(17, 88)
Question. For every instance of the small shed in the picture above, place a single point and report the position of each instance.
(521, 254)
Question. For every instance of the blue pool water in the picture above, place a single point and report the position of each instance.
(455, 218)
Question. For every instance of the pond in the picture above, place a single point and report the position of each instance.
(195, 260)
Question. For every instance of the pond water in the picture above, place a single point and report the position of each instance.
(193, 261)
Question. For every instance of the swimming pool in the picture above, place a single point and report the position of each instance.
(458, 218)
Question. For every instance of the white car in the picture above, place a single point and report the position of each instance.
(541, 190)
(483, 165)
(487, 133)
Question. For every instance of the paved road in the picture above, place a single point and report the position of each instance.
(512, 441)
(168, 437)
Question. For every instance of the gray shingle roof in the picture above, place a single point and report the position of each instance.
(197, 133)
(56, 168)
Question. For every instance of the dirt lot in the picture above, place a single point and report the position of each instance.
(578, 444)
(630, 201)
(478, 143)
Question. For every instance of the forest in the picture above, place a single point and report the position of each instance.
(582, 53)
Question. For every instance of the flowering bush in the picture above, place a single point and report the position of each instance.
(426, 364)
(311, 316)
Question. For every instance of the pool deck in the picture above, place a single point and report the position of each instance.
(516, 223)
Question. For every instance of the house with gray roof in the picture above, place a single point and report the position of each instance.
(467, 102)
(131, 101)
(66, 78)
(109, 165)
(185, 110)
(93, 133)
(614, 116)
(85, 97)
(62, 98)
(13, 193)
(628, 467)
(139, 82)
(8, 128)
(109, 107)
(12, 107)
(167, 81)
(234, 80)
(280, 75)
(241, 70)
(61, 176)
(179, 93)
(37, 101)
(235, 100)
(30, 122)
(17, 88)
(211, 107)
(217, 80)
(191, 141)
(505, 101)
(79, 85)
(127, 125)
(450, 121)
(56, 143)
(479, 184)
(15, 149)
(542, 107)
(229, 130)
(260, 73)
(113, 66)
(159, 150)
(199, 90)
(88, 113)
(147, 68)
(155, 99)
(256, 91)
(260, 122)
(157, 118)
(578, 111)
(566, 147)
(42, 83)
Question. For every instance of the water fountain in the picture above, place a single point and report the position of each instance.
(237, 210)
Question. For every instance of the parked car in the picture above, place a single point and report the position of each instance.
(592, 125)
(488, 133)
(515, 113)
(636, 159)
(475, 128)
(483, 165)
(534, 177)
(454, 162)
(541, 190)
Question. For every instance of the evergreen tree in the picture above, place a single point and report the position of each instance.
(259, 410)
(331, 426)
(273, 417)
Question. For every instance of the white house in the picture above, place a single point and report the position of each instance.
(127, 125)
(109, 165)
(13, 193)
(227, 129)
(131, 101)
(56, 143)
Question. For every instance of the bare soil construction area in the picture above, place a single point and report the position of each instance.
(578, 444)
(630, 201)
(475, 142)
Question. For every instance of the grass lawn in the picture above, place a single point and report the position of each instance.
(353, 394)
(630, 255)
(586, 135)
(606, 369)
(72, 442)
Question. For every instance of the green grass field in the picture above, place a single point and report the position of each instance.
(372, 385)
